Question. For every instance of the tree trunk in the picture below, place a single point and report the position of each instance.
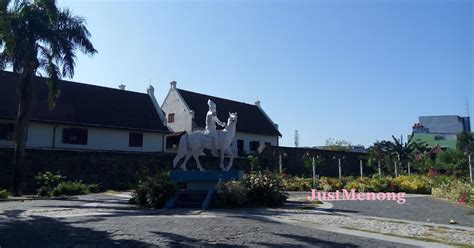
(25, 91)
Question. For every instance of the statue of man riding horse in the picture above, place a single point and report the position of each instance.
(193, 144)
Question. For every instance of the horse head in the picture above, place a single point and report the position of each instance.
(232, 118)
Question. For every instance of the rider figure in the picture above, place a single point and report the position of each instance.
(211, 120)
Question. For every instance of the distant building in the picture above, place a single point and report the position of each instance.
(186, 112)
(86, 117)
(440, 130)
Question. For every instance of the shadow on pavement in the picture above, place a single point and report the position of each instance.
(48, 232)
(308, 242)
(177, 240)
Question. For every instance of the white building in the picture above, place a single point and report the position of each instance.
(186, 112)
(86, 117)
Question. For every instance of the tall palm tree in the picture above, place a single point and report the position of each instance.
(465, 143)
(36, 37)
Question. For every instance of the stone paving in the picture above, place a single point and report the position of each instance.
(106, 221)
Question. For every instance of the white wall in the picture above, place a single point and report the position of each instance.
(40, 135)
(248, 137)
(183, 119)
(112, 139)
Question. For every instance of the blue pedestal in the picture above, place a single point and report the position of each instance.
(203, 180)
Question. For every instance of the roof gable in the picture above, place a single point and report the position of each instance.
(83, 104)
(251, 118)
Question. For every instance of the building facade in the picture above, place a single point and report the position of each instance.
(440, 131)
(186, 112)
(86, 117)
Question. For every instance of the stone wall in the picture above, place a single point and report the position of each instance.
(113, 170)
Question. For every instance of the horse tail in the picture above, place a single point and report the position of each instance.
(182, 148)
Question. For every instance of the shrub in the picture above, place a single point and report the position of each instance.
(296, 183)
(265, 189)
(47, 182)
(71, 188)
(358, 185)
(95, 188)
(330, 184)
(153, 192)
(376, 184)
(413, 184)
(231, 194)
(455, 190)
(4, 194)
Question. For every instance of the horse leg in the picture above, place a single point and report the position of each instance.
(183, 166)
(222, 160)
(199, 166)
(231, 158)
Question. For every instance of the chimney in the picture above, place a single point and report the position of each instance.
(257, 103)
(150, 90)
(121, 87)
(173, 84)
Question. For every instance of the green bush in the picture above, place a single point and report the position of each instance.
(153, 192)
(455, 190)
(231, 194)
(71, 188)
(4, 194)
(47, 182)
(265, 189)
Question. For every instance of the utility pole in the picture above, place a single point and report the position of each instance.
(380, 171)
(340, 168)
(470, 166)
(314, 173)
(280, 163)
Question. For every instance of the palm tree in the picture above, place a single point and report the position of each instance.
(465, 143)
(37, 36)
(405, 152)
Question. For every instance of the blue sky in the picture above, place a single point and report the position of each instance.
(354, 70)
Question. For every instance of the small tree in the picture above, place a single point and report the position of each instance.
(338, 145)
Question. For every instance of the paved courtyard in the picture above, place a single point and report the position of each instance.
(104, 220)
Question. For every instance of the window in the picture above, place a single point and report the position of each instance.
(75, 136)
(135, 140)
(170, 118)
(240, 145)
(254, 145)
(6, 131)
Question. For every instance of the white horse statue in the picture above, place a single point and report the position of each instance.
(193, 144)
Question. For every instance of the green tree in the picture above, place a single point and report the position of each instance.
(379, 154)
(319, 162)
(37, 36)
(465, 143)
(451, 161)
